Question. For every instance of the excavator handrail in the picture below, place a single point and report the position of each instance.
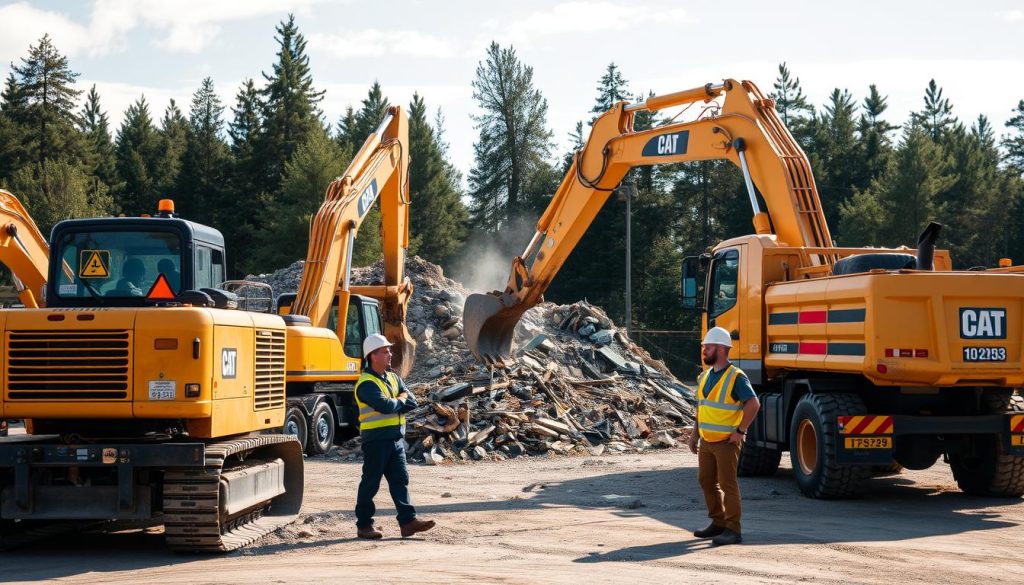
(378, 172)
(746, 131)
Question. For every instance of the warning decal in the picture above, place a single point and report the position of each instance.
(94, 264)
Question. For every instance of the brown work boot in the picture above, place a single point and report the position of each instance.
(414, 526)
(368, 532)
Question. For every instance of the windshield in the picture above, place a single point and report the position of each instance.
(118, 264)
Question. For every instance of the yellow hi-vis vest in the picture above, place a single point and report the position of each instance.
(370, 418)
(719, 415)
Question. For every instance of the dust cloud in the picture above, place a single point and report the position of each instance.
(486, 261)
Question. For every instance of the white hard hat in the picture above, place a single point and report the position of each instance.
(373, 343)
(717, 336)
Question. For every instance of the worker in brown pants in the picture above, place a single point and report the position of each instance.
(726, 408)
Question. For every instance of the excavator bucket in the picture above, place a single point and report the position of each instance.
(403, 352)
(488, 325)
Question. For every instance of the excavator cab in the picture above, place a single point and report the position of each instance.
(133, 262)
(361, 318)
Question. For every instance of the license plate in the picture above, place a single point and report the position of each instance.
(984, 354)
(161, 390)
(1017, 440)
(868, 442)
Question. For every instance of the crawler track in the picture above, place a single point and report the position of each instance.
(194, 520)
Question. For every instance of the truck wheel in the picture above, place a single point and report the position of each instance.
(756, 461)
(321, 430)
(295, 423)
(989, 470)
(813, 446)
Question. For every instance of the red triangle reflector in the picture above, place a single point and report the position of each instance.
(161, 290)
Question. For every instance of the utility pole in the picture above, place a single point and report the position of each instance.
(626, 192)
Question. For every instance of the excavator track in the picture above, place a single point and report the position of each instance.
(195, 516)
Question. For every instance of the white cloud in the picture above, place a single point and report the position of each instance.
(182, 25)
(576, 17)
(22, 25)
(375, 43)
(1011, 15)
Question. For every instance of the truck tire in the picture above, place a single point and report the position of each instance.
(321, 430)
(991, 471)
(813, 446)
(295, 423)
(755, 461)
(866, 262)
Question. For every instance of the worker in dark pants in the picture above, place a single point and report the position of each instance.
(726, 410)
(383, 400)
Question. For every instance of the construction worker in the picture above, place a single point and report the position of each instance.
(727, 407)
(383, 400)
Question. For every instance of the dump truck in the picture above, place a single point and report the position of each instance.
(863, 358)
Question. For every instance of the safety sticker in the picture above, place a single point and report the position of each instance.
(94, 264)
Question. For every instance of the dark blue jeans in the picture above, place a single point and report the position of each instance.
(384, 458)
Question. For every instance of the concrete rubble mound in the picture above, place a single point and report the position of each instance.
(580, 385)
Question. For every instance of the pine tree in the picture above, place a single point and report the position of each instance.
(173, 137)
(12, 132)
(369, 117)
(838, 151)
(937, 116)
(438, 225)
(514, 139)
(137, 150)
(874, 132)
(96, 127)
(314, 165)
(290, 109)
(46, 90)
(245, 182)
(611, 89)
(1013, 143)
(206, 161)
(347, 137)
(792, 105)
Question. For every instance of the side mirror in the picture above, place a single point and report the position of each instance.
(691, 269)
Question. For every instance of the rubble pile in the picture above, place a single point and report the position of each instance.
(579, 385)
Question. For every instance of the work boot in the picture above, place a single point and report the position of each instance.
(414, 526)
(368, 532)
(711, 531)
(727, 537)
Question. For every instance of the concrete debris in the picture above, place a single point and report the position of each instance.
(579, 384)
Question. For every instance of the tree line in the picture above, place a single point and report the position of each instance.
(257, 169)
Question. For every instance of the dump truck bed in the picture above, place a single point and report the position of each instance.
(900, 328)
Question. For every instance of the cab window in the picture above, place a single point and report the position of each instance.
(209, 267)
(113, 264)
(371, 317)
(724, 278)
(353, 332)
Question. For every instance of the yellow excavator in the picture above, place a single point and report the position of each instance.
(154, 389)
(863, 358)
(323, 366)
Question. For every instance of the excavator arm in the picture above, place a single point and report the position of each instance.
(743, 129)
(24, 250)
(380, 170)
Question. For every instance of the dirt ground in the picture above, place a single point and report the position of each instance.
(559, 521)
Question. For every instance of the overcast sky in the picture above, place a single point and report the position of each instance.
(164, 48)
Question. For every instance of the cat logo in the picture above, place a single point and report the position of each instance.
(667, 144)
(367, 197)
(228, 363)
(982, 323)
(94, 264)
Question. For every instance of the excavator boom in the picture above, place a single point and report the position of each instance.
(23, 249)
(743, 129)
(380, 170)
